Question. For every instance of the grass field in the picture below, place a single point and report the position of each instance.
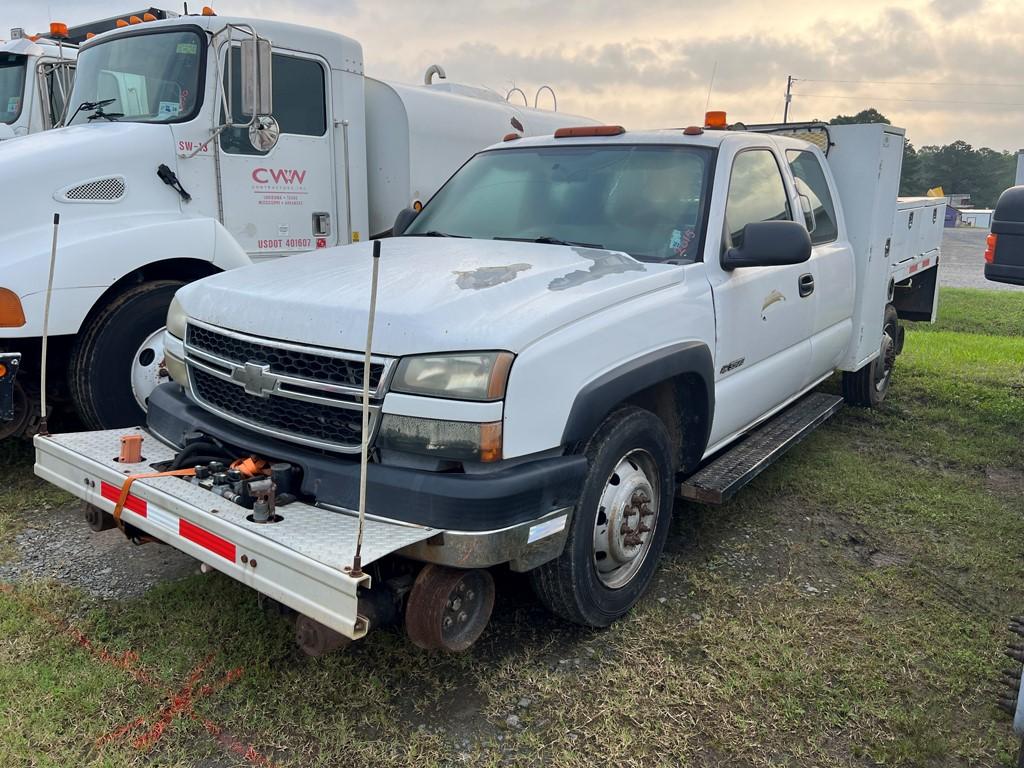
(848, 609)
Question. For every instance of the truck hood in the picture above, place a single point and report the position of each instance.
(36, 170)
(434, 295)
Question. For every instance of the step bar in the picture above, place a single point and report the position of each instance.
(723, 476)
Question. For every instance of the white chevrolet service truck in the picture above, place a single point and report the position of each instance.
(573, 331)
(195, 145)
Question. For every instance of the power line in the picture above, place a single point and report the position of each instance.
(908, 82)
(920, 101)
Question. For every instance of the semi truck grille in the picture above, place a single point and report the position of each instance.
(325, 424)
(299, 394)
(300, 363)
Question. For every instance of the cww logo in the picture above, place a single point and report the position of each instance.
(278, 176)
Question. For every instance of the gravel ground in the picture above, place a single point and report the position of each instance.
(59, 545)
(963, 263)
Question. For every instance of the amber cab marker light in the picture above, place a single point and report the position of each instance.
(715, 120)
(208, 11)
(90, 35)
(148, 17)
(693, 130)
(121, 23)
(511, 137)
(134, 20)
(11, 313)
(589, 130)
(57, 29)
(990, 249)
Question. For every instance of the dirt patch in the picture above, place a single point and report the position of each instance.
(1005, 481)
(58, 545)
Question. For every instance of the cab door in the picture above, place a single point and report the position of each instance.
(282, 202)
(831, 264)
(763, 323)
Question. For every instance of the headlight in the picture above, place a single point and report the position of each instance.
(176, 319)
(467, 376)
(456, 440)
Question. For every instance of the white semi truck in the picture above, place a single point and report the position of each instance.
(35, 82)
(572, 331)
(196, 145)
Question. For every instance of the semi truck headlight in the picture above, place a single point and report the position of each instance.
(176, 319)
(175, 365)
(466, 376)
(456, 440)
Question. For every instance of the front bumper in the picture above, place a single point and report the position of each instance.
(491, 501)
(9, 362)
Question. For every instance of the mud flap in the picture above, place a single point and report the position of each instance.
(9, 362)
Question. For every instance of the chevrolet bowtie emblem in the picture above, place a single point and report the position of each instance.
(256, 378)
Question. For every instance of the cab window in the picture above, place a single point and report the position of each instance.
(811, 182)
(300, 101)
(756, 193)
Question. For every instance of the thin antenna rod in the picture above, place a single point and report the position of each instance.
(357, 560)
(44, 428)
(711, 84)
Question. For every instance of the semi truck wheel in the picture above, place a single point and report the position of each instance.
(620, 524)
(869, 386)
(118, 358)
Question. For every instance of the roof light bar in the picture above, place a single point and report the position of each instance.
(589, 130)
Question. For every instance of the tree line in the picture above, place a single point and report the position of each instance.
(957, 167)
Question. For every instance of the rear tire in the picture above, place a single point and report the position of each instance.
(118, 341)
(869, 386)
(616, 539)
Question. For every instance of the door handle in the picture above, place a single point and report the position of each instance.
(806, 285)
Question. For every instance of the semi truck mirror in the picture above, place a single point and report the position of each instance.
(264, 133)
(768, 244)
(404, 218)
(257, 78)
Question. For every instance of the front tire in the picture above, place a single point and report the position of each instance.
(869, 386)
(620, 524)
(118, 357)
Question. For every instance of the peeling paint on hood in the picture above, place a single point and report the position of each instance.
(501, 298)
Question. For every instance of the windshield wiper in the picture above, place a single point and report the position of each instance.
(435, 233)
(99, 113)
(90, 106)
(548, 240)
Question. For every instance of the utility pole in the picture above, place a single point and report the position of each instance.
(789, 98)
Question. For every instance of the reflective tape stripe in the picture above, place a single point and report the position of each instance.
(165, 520)
(133, 503)
(207, 540)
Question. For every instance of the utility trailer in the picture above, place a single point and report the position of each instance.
(549, 361)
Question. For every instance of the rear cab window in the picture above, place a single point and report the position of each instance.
(812, 185)
(757, 193)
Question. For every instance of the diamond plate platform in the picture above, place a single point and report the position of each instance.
(721, 478)
(325, 536)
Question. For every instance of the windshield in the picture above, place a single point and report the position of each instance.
(151, 78)
(12, 85)
(645, 200)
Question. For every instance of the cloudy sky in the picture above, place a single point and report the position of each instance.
(943, 69)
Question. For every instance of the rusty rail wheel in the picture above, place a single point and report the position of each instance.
(314, 639)
(449, 608)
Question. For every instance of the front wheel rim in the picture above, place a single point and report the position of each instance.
(627, 516)
(148, 368)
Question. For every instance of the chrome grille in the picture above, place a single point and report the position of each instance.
(301, 394)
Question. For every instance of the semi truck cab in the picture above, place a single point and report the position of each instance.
(195, 145)
(35, 83)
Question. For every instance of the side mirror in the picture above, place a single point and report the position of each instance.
(404, 218)
(257, 78)
(770, 243)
